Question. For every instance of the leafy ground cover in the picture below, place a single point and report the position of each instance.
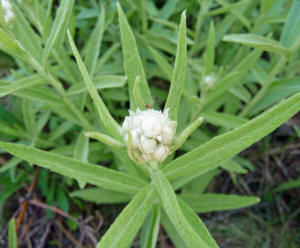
(242, 59)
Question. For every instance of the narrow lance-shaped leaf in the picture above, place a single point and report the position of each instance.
(8, 45)
(101, 196)
(209, 56)
(197, 224)
(12, 234)
(178, 77)
(291, 30)
(94, 44)
(127, 224)
(204, 203)
(171, 206)
(97, 175)
(211, 154)
(150, 230)
(81, 152)
(22, 83)
(108, 121)
(137, 95)
(253, 40)
(162, 63)
(59, 26)
(132, 62)
(101, 82)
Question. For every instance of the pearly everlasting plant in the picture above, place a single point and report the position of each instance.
(151, 135)
(144, 170)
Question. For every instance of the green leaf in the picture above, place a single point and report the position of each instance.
(204, 203)
(291, 30)
(101, 82)
(149, 233)
(26, 82)
(233, 166)
(209, 55)
(9, 46)
(171, 206)
(105, 139)
(26, 36)
(178, 76)
(288, 185)
(59, 26)
(108, 121)
(279, 90)
(81, 152)
(127, 224)
(40, 93)
(97, 175)
(101, 196)
(256, 41)
(223, 119)
(12, 163)
(221, 148)
(197, 224)
(94, 44)
(132, 62)
(162, 63)
(12, 234)
(171, 231)
(137, 95)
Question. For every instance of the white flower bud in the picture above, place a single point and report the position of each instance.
(209, 81)
(161, 153)
(6, 5)
(9, 16)
(152, 132)
(151, 126)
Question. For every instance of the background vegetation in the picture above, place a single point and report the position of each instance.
(229, 80)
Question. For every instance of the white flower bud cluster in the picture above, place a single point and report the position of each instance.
(209, 81)
(152, 133)
(8, 13)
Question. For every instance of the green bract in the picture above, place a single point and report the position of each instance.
(59, 109)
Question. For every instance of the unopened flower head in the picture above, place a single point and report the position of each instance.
(209, 81)
(151, 132)
(8, 13)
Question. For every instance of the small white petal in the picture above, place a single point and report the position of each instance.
(167, 135)
(161, 153)
(147, 145)
(9, 16)
(135, 139)
(5, 5)
(151, 127)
